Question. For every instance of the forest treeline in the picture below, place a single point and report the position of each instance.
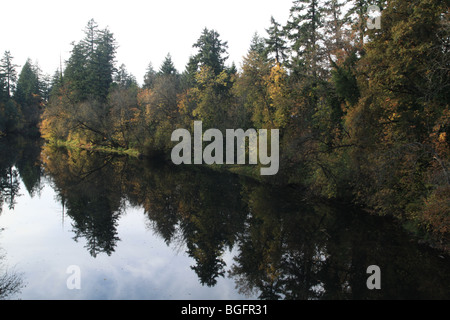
(363, 112)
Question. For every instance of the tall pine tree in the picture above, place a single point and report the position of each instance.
(167, 67)
(212, 51)
(28, 93)
(149, 77)
(275, 43)
(90, 68)
(304, 30)
(8, 73)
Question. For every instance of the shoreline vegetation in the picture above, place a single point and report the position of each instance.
(363, 112)
(98, 148)
(415, 230)
(251, 172)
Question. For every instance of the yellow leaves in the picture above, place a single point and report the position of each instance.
(45, 128)
(277, 90)
(393, 116)
(184, 101)
(206, 77)
(439, 137)
(277, 74)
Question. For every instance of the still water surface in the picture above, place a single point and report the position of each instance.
(138, 230)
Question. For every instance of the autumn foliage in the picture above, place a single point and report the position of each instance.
(363, 114)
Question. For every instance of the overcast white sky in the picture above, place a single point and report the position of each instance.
(145, 30)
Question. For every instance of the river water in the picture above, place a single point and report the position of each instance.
(82, 225)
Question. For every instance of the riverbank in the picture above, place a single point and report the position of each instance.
(414, 227)
(73, 144)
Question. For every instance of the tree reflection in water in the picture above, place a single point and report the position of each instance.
(286, 247)
(19, 161)
(90, 190)
(10, 282)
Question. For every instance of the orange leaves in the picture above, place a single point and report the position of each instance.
(439, 136)
(436, 213)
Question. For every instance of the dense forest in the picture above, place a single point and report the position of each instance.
(363, 110)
